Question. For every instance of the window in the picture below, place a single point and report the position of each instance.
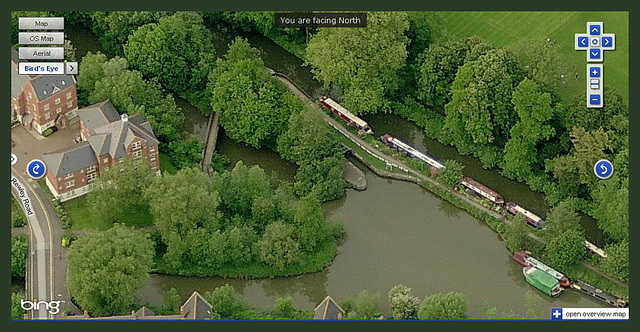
(137, 154)
(46, 107)
(68, 95)
(58, 110)
(91, 177)
(68, 176)
(47, 115)
(91, 169)
(69, 184)
(136, 145)
(57, 101)
(70, 104)
(105, 160)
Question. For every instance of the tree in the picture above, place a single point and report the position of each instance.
(540, 61)
(515, 236)
(589, 147)
(308, 137)
(107, 268)
(402, 304)
(183, 205)
(172, 301)
(362, 62)
(254, 107)
(309, 223)
(178, 50)
(566, 249)
(534, 110)
(19, 248)
(16, 309)
(224, 301)
(480, 111)
(365, 306)
(322, 178)
(285, 308)
(438, 67)
(113, 28)
(617, 262)
(562, 218)
(130, 93)
(119, 193)
(611, 204)
(451, 174)
(186, 152)
(238, 244)
(277, 247)
(240, 187)
(451, 305)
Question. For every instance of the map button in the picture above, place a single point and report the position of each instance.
(595, 55)
(603, 169)
(581, 42)
(608, 41)
(36, 169)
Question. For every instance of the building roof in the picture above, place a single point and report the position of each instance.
(47, 85)
(113, 132)
(144, 312)
(70, 159)
(328, 309)
(98, 115)
(17, 80)
(196, 307)
(100, 143)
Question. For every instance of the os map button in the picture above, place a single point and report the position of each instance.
(36, 169)
(603, 169)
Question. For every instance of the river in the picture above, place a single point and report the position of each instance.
(396, 231)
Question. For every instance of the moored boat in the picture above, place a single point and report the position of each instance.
(599, 294)
(542, 281)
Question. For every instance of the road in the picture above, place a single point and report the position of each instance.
(45, 273)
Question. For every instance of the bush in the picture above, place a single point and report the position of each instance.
(18, 220)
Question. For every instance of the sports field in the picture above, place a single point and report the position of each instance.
(505, 28)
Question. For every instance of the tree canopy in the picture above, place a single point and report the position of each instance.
(362, 62)
(105, 269)
(451, 305)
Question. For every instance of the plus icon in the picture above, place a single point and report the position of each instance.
(556, 313)
(595, 42)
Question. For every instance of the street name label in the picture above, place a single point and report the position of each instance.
(22, 194)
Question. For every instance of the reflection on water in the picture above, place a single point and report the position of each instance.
(511, 190)
(396, 233)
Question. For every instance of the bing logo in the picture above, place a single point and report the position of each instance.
(52, 306)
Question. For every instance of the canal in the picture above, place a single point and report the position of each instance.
(396, 231)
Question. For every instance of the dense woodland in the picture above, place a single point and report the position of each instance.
(501, 105)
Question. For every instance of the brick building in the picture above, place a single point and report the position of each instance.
(42, 101)
(107, 139)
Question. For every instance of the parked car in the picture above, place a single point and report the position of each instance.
(13, 143)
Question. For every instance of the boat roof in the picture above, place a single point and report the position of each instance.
(543, 277)
(346, 112)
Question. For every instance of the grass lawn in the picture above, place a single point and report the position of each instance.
(15, 209)
(82, 217)
(503, 29)
(166, 165)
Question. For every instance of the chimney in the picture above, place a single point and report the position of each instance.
(182, 311)
(133, 314)
(86, 314)
(124, 117)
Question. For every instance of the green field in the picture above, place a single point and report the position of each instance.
(505, 28)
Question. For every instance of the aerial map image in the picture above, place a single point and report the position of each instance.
(319, 165)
